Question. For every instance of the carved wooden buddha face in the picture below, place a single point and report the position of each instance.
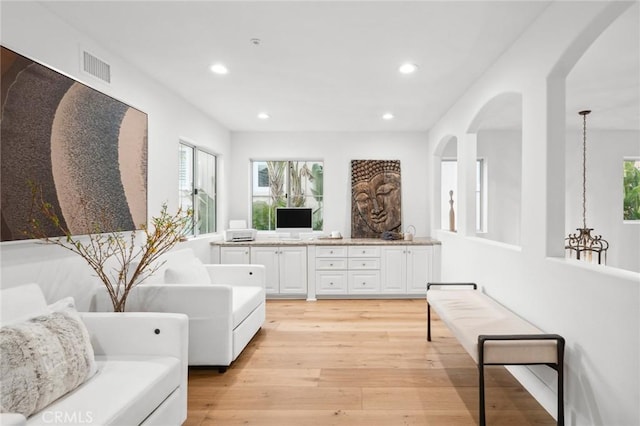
(375, 198)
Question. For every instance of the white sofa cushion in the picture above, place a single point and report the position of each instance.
(243, 301)
(124, 391)
(191, 272)
(21, 303)
(43, 358)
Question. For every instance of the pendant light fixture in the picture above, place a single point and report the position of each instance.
(582, 245)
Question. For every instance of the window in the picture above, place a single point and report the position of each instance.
(197, 187)
(631, 183)
(285, 184)
(449, 182)
(480, 195)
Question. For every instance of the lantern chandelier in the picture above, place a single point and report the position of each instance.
(582, 245)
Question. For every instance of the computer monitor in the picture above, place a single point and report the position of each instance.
(294, 220)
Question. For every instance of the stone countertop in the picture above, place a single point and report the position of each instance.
(326, 241)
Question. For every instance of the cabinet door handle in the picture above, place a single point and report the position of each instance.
(364, 283)
(331, 252)
(364, 264)
(331, 264)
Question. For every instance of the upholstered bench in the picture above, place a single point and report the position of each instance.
(493, 335)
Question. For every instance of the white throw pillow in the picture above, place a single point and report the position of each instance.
(193, 272)
(44, 358)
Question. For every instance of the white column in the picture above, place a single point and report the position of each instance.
(543, 168)
(466, 212)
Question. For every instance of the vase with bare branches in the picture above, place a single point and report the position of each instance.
(119, 259)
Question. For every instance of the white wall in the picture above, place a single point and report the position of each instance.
(502, 153)
(336, 150)
(31, 30)
(596, 309)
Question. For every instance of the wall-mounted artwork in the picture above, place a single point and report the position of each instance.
(375, 198)
(86, 150)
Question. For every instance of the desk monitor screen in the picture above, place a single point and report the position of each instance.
(294, 220)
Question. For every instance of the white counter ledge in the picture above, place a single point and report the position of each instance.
(418, 241)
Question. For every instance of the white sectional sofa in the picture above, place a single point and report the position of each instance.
(225, 303)
(140, 358)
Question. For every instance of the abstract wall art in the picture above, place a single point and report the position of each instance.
(86, 150)
(375, 198)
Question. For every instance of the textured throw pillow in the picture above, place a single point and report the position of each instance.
(193, 272)
(43, 358)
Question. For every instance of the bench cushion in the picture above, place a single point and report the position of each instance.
(470, 313)
(244, 301)
(123, 392)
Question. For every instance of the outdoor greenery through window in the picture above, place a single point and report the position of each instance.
(631, 190)
(197, 187)
(285, 184)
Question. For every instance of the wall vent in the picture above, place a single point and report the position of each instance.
(96, 67)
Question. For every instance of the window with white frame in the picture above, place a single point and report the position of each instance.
(449, 182)
(285, 184)
(197, 187)
(631, 187)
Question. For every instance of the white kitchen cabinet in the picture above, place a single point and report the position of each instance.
(419, 270)
(364, 282)
(394, 270)
(331, 282)
(286, 268)
(406, 269)
(331, 270)
(338, 269)
(364, 270)
(347, 270)
(234, 255)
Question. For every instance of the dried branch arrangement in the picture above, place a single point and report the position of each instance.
(116, 257)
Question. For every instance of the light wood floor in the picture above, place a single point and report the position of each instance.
(354, 362)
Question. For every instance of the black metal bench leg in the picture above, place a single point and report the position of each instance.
(428, 322)
(481, 412)
(560, 370)
(560, 397)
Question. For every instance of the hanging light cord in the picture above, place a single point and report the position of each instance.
(584, 167)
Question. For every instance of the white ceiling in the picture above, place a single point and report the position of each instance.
(332, 66)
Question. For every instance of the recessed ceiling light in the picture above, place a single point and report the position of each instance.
(408, 68)
(263, 116)
(219, 69)
(387, 116)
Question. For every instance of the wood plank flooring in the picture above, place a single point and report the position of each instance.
(354, 362)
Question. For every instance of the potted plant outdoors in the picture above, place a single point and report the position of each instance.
(117, 258)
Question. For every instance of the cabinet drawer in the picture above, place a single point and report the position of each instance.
(331, 251)
(331, 282)
(364, 282)
(337, 263)
(364, 263)
(364, 251)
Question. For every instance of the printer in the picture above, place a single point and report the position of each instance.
(238, 231)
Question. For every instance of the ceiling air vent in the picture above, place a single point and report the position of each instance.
(96, 67)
